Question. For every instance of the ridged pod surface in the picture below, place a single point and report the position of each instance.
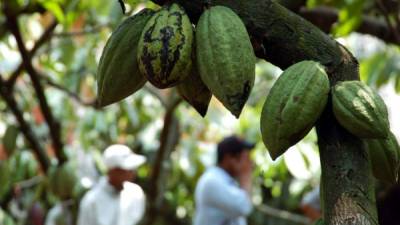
(384, 155)
(195, 92)
(118, 74)
(165, 47)
(225, 57)
(360, 110)
(293, 105)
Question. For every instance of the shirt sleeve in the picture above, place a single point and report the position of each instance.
(51, 216)
(86, 216)
(142, 207)
(231, 199)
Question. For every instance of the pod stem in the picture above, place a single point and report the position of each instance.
(122, 4)
(206, 4)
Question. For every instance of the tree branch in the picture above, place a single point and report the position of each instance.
(385, 14)
(53, 124)
(42, 40)
(91, 30)
(24, 126)
(325, 17)
(284, 215)
(168, 141)
(71, 94)
(156, 93)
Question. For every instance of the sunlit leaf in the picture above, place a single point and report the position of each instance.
(55, 8)
(349, 18)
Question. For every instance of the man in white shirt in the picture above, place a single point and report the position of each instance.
(115, 200)
(222, 193)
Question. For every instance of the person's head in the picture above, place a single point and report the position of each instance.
(121, 164)
(232, 153)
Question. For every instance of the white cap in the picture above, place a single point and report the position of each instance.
(121, 156)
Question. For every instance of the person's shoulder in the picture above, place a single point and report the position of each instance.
(211, 176)
(89, 197)
(132, 187)
(132, 190)
(92, 195)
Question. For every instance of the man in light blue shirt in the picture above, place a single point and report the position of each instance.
(222, 193)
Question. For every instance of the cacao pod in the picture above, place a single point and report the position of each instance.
(225, 57)
(63, 180)
(384, 155)
(195, 92)
(360, 110)
(118, 74)
(165, 47)
(293, 105)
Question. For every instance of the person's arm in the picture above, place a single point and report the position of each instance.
(142, 206)
(233, 200)
(51, 216)
(86, 213)
(244, 177)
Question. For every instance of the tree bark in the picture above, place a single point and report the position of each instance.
(24, 126)
(53, 124)
(168, 141)
(288, 38)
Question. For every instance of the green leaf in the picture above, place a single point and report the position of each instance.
(397, 83)
(10, 139)
(55, 8)
(386, 72)
(372, 67)
(350, 17)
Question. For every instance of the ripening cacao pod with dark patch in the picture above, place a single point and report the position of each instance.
(165, 47)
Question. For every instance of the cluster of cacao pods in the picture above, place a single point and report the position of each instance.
(213, 57)
(300, 95)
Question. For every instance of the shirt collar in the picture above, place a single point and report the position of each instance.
(224, 174)
(106, 186)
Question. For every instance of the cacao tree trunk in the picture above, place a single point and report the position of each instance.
(284, 38)
(169, 139)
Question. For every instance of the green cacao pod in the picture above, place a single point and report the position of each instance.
(293, 105)
(384, 155)
(360, 110)
(225, 57)
(118, 74)
(165, 47)
(195, 92)
(63, 180)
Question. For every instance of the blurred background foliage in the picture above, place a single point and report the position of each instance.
(66, 64)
